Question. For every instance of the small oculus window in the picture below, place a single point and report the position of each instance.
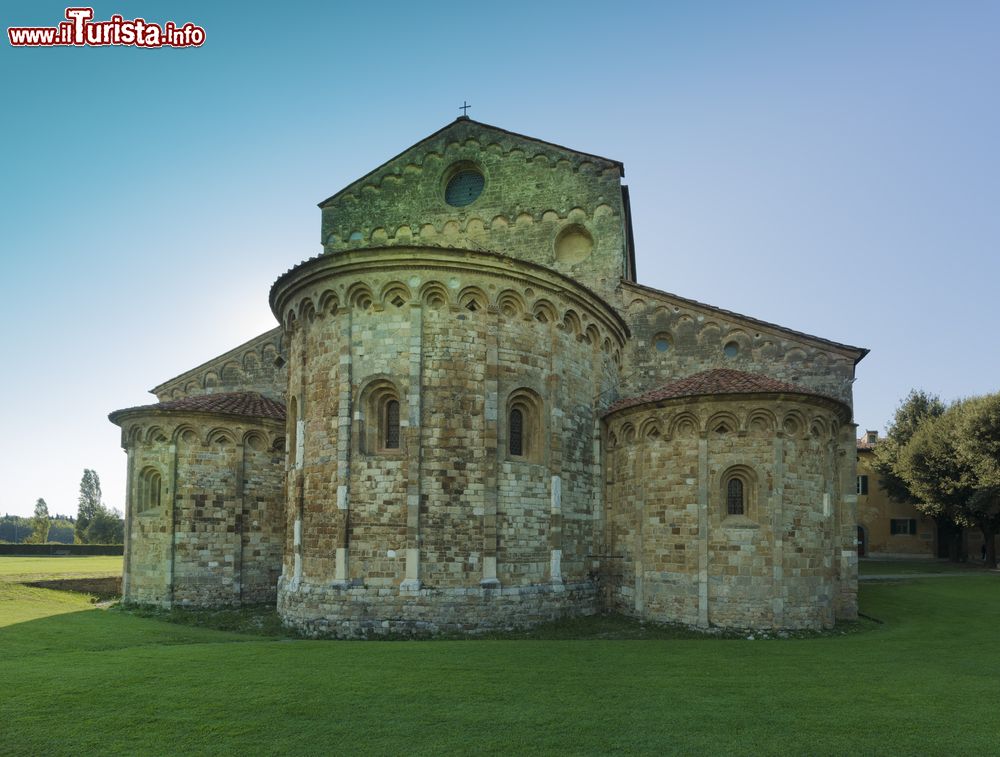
(731, 350)
(662, 344)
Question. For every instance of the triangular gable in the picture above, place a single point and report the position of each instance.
(466, 127)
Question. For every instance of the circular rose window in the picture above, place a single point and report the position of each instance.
(464, 187)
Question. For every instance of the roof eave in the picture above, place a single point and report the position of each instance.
(723, 396)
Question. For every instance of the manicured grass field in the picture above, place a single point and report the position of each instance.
(873, 566)
(78, 680)
(26, 568)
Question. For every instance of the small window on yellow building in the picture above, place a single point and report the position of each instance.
(903, 526)
(862, 484)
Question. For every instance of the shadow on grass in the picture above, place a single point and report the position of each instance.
(101, 589)
(263, 620)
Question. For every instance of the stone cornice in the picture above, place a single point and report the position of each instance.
(753, 398)
(410, 259)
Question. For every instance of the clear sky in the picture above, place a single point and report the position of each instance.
(832, 167)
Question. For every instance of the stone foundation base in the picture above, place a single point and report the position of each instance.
(355, 612)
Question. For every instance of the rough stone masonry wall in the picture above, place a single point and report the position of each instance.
(532, 193)
(684, 558)
(450, 531)
(216, 537)
(256, 366)
(696, 337)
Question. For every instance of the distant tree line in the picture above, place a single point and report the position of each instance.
(945, 460)
(16, 529)
(95, 522)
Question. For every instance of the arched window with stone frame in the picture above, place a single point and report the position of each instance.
(389, 421)
(524, 427)
(738, 492)
(735, 503)
(380, 418)
(149, 488)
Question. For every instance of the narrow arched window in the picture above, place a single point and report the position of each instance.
(516, 432)
(734, 497)
(154, 490)
(149, 490)
(392, 424)
(293, 433)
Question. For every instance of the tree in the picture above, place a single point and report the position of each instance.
(951, 464)
(918, 407)
(90, 503)
(61, 531)
(978, 443)
(40, 523)
(106, 527)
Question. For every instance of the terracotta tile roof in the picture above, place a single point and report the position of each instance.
(714, 381)
(250, 404)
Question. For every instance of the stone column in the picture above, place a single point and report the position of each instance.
(552, 401)
(776, 504)
(411, 582)
(845, 526)
(171, 496)
(344, 425)
(598, 493)
(240, 518)
(298, 338)
(494, 454)
(640, 527)
(129, 513)
(703, 527)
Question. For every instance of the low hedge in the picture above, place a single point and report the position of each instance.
(61, 550)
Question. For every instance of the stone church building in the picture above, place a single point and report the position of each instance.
(473, 416)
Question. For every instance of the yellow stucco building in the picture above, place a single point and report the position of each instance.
(887, 528)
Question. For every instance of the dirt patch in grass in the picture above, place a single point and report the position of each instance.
(102, 588)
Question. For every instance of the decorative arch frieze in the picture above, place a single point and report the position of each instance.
(395, 294)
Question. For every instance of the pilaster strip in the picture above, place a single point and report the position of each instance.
(703, 528)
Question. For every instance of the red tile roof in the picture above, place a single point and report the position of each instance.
(250, 404)
(715, 381)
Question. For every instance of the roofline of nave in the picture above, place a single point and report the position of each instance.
(235, 351)
(848, 350)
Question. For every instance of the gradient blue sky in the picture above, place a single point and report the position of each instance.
(832, 167)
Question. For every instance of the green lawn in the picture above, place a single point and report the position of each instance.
(874, 566)
(78, 680)
(25, 568)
